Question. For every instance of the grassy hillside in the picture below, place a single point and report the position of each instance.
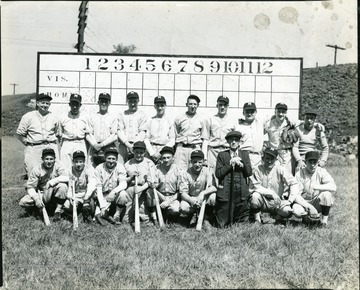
(332, 90)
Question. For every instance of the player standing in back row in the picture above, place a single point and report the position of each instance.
(188, 129)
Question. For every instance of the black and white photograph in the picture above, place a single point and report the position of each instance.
(179, 145)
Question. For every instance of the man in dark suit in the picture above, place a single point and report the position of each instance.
(233, 167)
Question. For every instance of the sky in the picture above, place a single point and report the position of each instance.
(265, 29)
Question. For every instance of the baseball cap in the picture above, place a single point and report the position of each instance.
(281, 106)
(159, 99)
(139, 144)
(43, 97)
(48, 151)
(233, 134)
(224, 99)
(110, 150)
(312, 155)
(249, 106)
(132, 95)
(167, 149)
(197, 153)
(310, 112)
(194, 97)
(75, 98)
(104, 96)
(78, 153)
(271, 151)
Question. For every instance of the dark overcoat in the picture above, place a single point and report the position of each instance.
(233, 189)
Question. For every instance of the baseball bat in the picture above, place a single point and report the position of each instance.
(158, 209)
(44, 213)
(137, 214)
(157, 205)
(203, 204)
(75, 216)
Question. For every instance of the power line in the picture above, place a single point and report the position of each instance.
(98, 35)
(94, 39)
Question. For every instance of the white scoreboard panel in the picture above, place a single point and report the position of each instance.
(263, 80)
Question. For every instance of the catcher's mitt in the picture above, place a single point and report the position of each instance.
(290, 135)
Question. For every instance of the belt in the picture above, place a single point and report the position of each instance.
(253, 152)
(75, 139)
(219, 147)
(157, 144)
(188, 145)
(42, 143)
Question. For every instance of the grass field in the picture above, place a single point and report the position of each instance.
(244, 256)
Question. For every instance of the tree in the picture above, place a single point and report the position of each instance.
(124, 49)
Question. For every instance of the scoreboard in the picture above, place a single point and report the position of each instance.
(263, 80)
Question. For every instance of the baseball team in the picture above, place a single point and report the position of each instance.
(124, 165)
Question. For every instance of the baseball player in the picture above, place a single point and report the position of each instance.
(73, 128)
(233, 167)
(169, 182)
(85, 183)
(215, 129)
(317, 185)
(37, 130)
(160, 131)
(311, 136)
(252, 132)
(110, 188)
(195, 190)
(47, 185)
(142, 168)
(132, 126)
(102, 130)
(276, 191)
(188, 129)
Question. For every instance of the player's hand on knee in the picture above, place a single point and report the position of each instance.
(39, 203)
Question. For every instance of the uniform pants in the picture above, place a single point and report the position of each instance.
(182, 156)
(186, 209)
(260, 203)
(284, 158)
(32, 155)
(173, 208)
(325, 198)
(68, 147)
(58, 191)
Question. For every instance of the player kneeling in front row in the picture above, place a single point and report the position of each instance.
(200, 185)
(276, 191)
(140, 171)
(168, 180)
(317, 185)
(110, 194)
(47, 185)
(84, 182)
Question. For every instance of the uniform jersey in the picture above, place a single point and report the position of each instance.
(109, 179)
(195, 183)
(145, 168)
(309, 141)
(277, 179)
(39, 175)
(38, 128)
(274, 131)
(216, 128)
(171, 181)
(307, 180)
(131, 124)
(73, 127)
(84, 179)
(252, 134)
(102, 126)
(160, 131)
(188, 129)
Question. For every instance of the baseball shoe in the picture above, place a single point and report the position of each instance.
(193, 220)
(155, 222)
(57, 217)
(109, 218)
(99, 220)
(117, 221)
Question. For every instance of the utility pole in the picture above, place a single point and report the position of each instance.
(336, 48)
(83, 11)
(14, 87)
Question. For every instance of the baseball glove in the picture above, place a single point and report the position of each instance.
(290, 135)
